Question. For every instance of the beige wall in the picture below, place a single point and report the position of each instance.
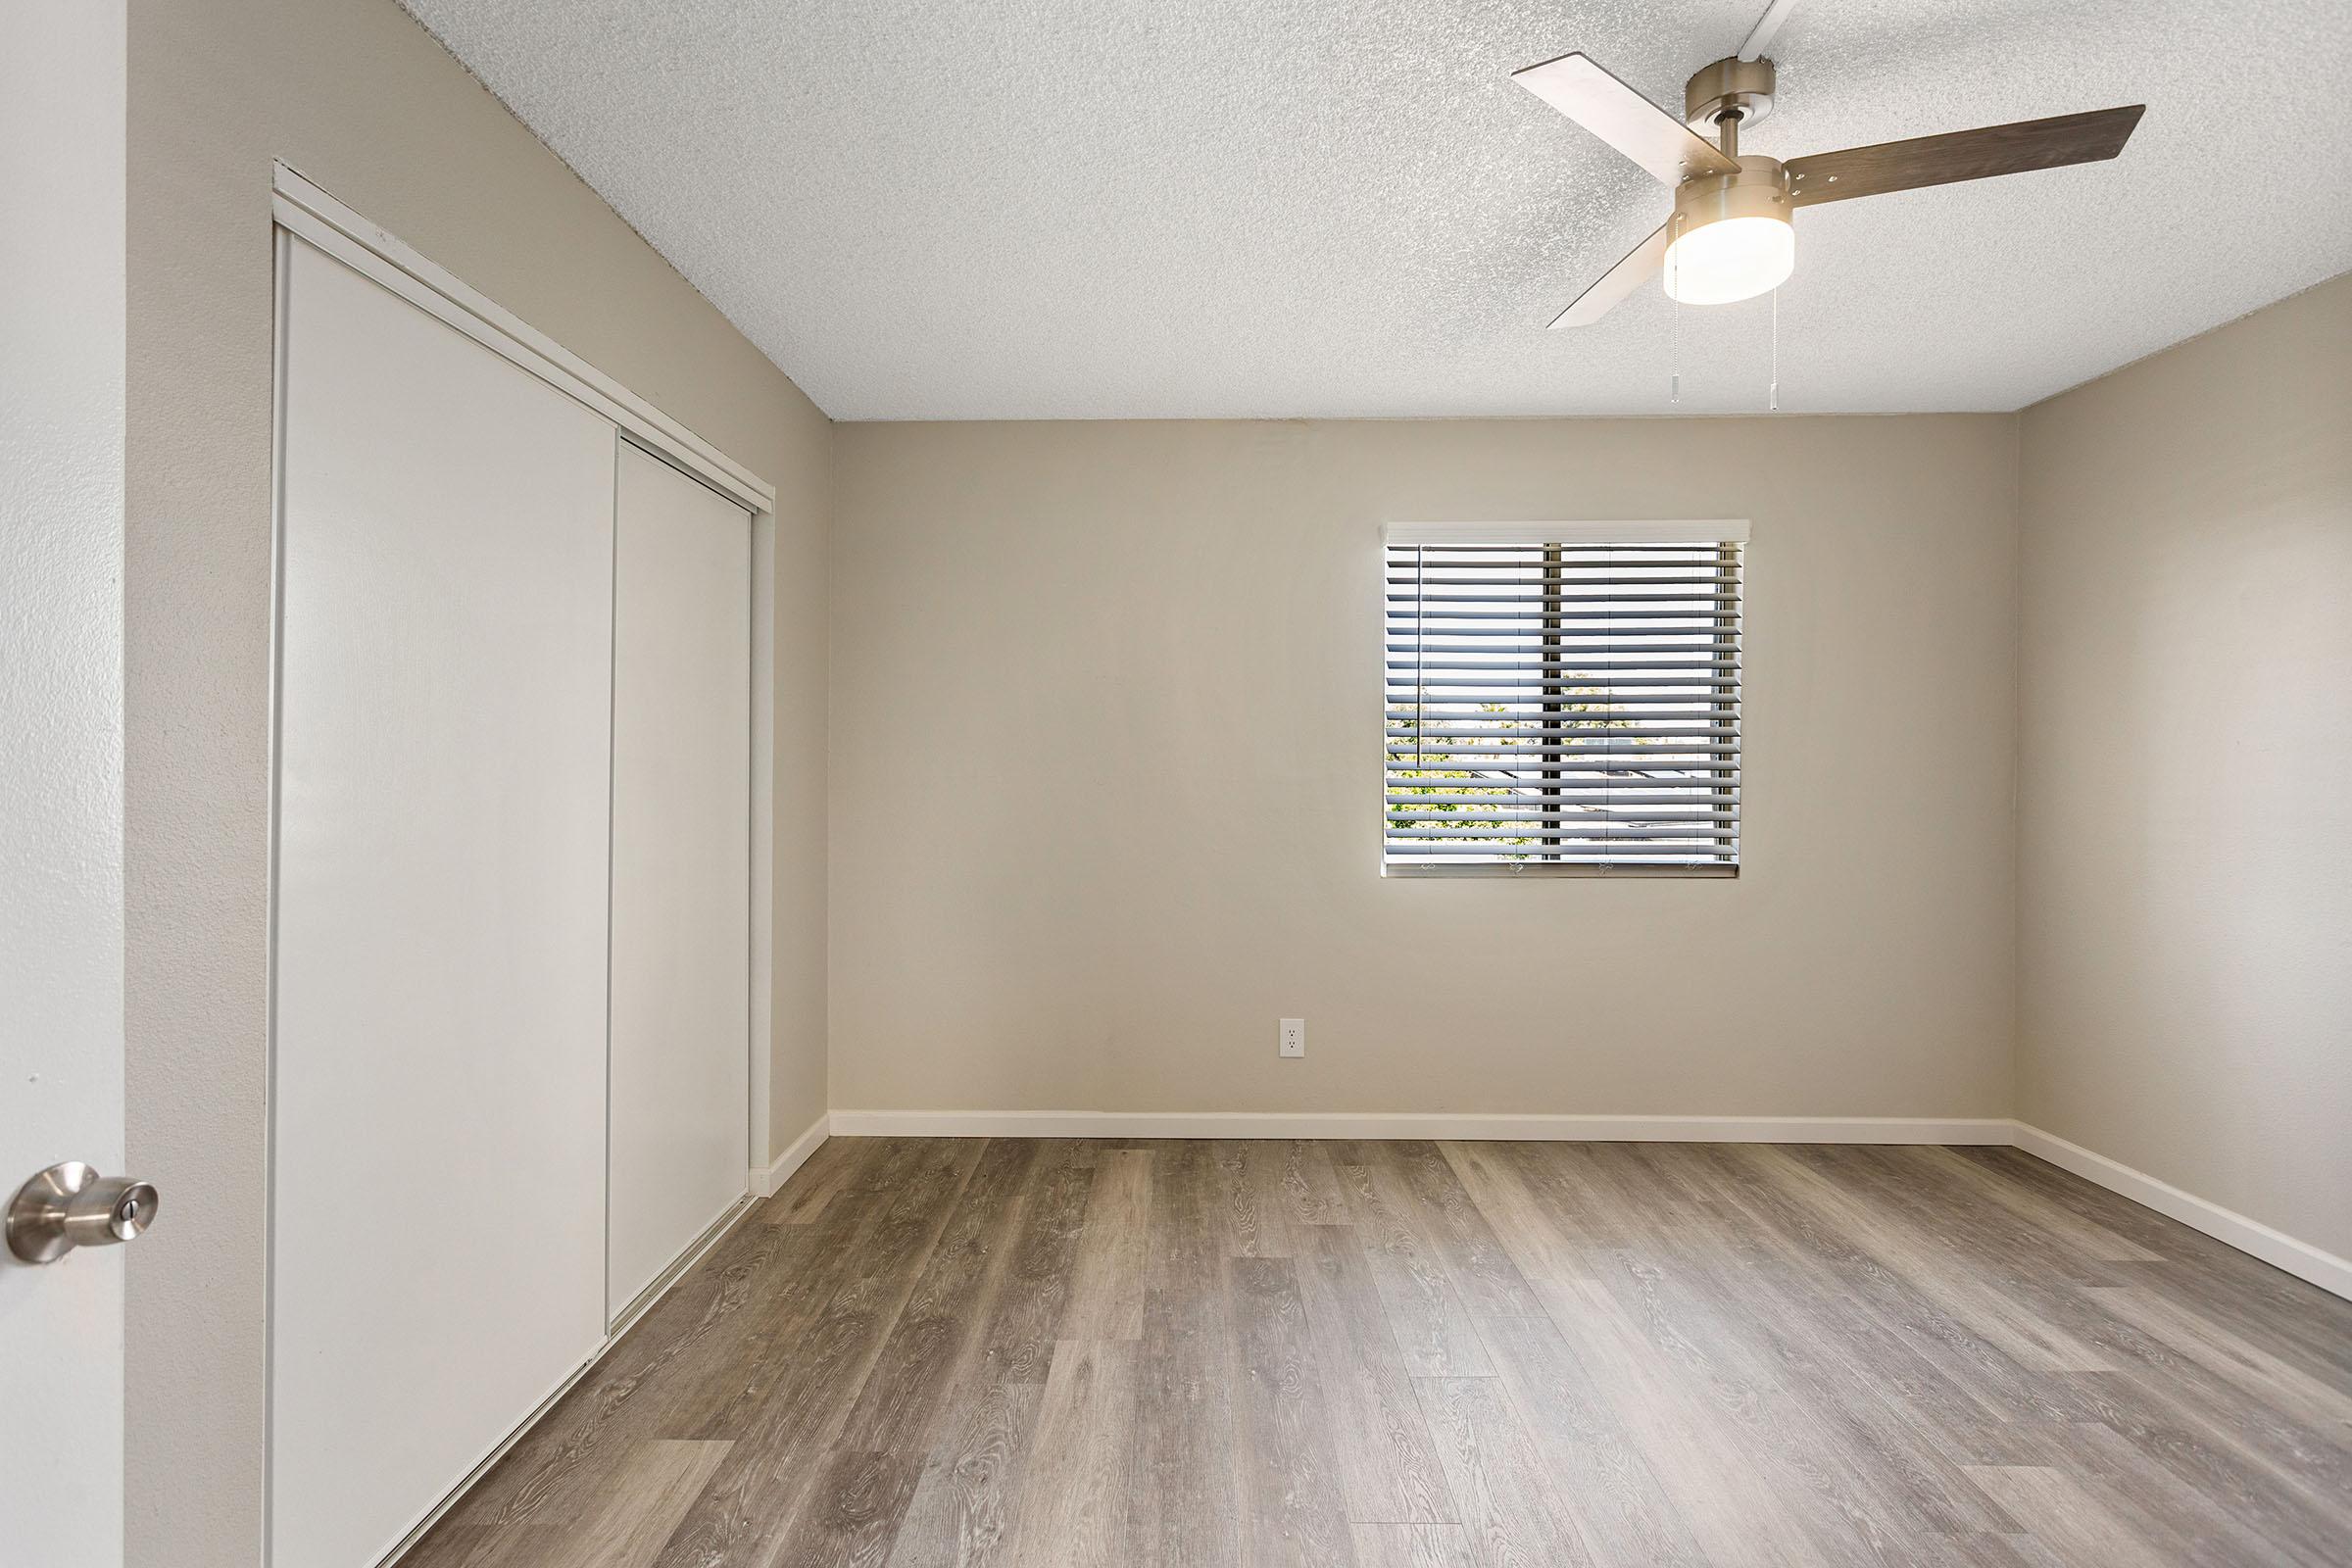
(1105, 752)
(356, 96)
(2187, 776)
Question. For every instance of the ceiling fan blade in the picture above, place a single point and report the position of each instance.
(1641, 265)
(2016, 148)
(1578, 88)
(1759, 36)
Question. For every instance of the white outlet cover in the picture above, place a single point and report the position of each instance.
(1293, 1037)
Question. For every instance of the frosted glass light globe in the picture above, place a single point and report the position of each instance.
(1730, 259)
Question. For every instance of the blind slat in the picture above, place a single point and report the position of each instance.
(1629, 850)
(1510, 708)
(1567, 821)
(1705, 549)
(1554, 665)
(1535, 575)
(1562, 672)
(1702, 793)
(1545, 840)
(1537, 622)
(1590, 775)
(1437, 750)
(1541, 604)
(1511, 659)
(1557, 826)
(1599, 632)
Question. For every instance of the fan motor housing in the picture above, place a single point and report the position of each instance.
(1745, 85)
(1760, 189)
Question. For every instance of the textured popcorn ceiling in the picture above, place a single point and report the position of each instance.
(1086, 209)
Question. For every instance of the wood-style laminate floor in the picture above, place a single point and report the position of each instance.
(1448, 1356)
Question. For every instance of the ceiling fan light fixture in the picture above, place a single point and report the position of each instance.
(1730, 237)
(1730, 259)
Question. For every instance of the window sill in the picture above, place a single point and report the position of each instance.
(1522, 870)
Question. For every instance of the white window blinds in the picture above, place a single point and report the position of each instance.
(1563, 700)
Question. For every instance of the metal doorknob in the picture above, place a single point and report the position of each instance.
(69, 1205)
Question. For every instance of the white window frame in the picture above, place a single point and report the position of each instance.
(1710, 531)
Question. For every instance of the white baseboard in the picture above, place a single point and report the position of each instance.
(2273, 1246)
(1374, 1124)
(768, 1181)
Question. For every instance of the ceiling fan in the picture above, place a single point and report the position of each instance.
(1729, 236)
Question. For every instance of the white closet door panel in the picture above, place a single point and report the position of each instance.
(681, 866)
(438, 1174)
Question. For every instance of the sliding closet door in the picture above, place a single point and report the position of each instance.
(438, 1178)
(681, 861)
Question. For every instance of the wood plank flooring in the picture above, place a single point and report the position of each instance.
(1054, 1354)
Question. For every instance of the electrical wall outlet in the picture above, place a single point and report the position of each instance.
(1294, 1037)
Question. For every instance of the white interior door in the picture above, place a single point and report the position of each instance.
(438, 1110)
(61, 759)
(681, 859)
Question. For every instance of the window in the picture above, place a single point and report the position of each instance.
(1563, 700)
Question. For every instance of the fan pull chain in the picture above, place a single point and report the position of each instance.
(1674, 357)
(1775, 351)
(1673, 336)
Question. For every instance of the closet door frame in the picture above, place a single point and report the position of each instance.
(301, 210)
